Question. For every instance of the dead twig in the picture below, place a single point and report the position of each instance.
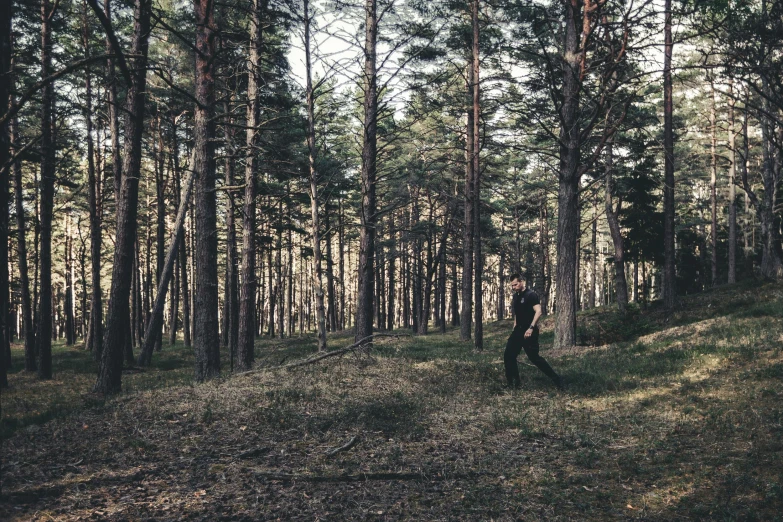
(345, 447)
(320, 357)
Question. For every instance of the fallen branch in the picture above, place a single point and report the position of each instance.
(290, 477)
(321, 357)
(345, 447)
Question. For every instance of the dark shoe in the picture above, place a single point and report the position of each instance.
(560, 383)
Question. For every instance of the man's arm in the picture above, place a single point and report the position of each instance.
(537, 310)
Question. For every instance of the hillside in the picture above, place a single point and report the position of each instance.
(665, 416)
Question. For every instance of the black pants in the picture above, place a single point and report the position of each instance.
(514, 345)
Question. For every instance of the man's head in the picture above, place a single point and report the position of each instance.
(518, 282)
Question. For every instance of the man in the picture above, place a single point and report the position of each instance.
(527, 312)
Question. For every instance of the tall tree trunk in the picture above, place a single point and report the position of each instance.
(732, 275)
(479, 262)
(613, 219)
(468, 243)
(206, 340)
(771, 254)
(21, 244)
(392, 255)
(453, 298)
(110, 371)
(315, 225)
(364, 298)
(501, 306)
(331, 298)
(93, 190)
(155, 324)
(341, 262)
(231, 299)
(44, 335)
(669, 276)
(6, 53)
(70, 323)
(183, 250)
(114, 121)
(713, 187)
(594, 254)
(160, 214)
(568, 193)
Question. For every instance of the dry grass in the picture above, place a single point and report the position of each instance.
(682, 420)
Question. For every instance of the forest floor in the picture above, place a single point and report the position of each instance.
(666, 416)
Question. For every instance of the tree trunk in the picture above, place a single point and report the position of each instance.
(231, 299)
(366, 273)
(468, 243)
(315, 225)
(110, 371)
(206, 341)
(21, 244)
(44, 335)
(95, 335)
(732, 275)
(568, 193)
(713, 188)
(613, 219)
(160, 214)
(669, 276)
(771, 254)
(543, 238)
(479, 262)
(70, 323)
(331, 298)
(155, 324)
(594, 253)
(6, 53)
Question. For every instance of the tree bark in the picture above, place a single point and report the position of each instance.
(6, 53)
(231, 297)
(155, 324)
(160, 215)
(70, 323)
(44, 335)
(732, 275)
(613, 219)
(364, 299)
(669, 289)
(95, 335)
(713, 187)
(478, 340)
(468, 242)
(206, 340)
(21, 244)
(315, 224)
(568, 193)
(110, 371)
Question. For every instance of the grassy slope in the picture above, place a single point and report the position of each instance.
(680, 416)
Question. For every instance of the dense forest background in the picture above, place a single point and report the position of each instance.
(219, 171)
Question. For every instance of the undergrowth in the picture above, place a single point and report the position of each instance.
(667, 415)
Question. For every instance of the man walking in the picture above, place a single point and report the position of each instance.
(527, 312)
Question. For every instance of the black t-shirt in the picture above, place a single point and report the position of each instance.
(523, 303)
